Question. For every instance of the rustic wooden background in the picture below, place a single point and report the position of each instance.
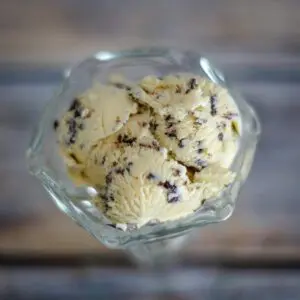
(43, 254)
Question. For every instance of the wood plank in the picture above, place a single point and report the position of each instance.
(188, 283)
(264, 226)
(68, 32)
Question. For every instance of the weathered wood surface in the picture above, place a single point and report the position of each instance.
(255, 42)
(265, 223)
(190, 283)
(41, 31)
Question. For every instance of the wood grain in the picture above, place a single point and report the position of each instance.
(264, 226)
(188, 283)
(255, 42)
(59, 31)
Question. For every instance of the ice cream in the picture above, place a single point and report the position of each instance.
(154, 150)
(197, 120)
(92, 116)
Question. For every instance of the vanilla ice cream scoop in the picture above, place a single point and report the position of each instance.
(91, 118)
(154, 150)
(175, 95)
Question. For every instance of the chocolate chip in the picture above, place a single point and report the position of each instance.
(172, 133)
(105, 207)
(156, 146)
(201, 163)
(129, 165)
(108, 178)
(72, 126)
(83, 175)
(77, 113)
(81, 126)
(169, 125)
(131, 140)
(173, 199)
(151, 176)
(104, 197)
(72, 139)
(221, 125)
(132, 97)
(182, 143)
(144, 124)
(178, 89)
(168, 118)
(111, 197)
(153, 126)
(146, 91)
(200, 150)
(213, 105)
(126, 139)
(55, 125)
(73, 133)
(171, 191)
(142, 145)
(74, 105)
(120, 171)
(73, 156)
(167, 185)
(72, 130)
(230, 115)
(221, 136)
(172, 188)
(103, 160)
(122, 86)
(176, 172)
(192, 84)
(114, 164)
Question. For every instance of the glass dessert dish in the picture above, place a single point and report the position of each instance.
(152, 243)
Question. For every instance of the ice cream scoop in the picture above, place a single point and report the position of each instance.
(92, 116)
(153, 151)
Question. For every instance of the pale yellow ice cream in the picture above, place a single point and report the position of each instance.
(155, 150)
(196, 119)
(92, 116)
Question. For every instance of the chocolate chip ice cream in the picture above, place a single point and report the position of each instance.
(154, 150)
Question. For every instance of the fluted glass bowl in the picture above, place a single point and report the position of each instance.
(46, 164)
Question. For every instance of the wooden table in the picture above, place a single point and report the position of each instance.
(44, 255)
(264, 226)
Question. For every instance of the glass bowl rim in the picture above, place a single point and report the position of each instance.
(208, 211)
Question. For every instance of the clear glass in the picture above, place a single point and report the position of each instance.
(151, 243)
